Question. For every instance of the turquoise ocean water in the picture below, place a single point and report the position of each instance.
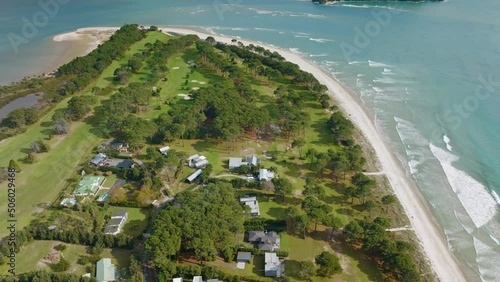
(428, 74)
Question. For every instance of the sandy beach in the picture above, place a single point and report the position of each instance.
(426, 229)
(431, 237)
(74, 44)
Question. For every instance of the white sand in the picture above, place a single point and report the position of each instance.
(431, 237)
(92, 36)
(185, 96)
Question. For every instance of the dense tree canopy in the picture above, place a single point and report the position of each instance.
(203, 222)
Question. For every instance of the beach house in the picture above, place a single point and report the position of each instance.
(265, 241)
(252, 203)
(265, 174)
(105, 270)
(273, 266)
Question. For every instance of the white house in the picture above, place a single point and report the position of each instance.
(164, 150)
(197, 161)
(249, 160)
(105, 270)
(116, 222)
(252, 203)
(193, 176)
(273, 266)
(265, 174)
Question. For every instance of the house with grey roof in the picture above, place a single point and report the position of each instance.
(98, 159)
(265, 241)
(236, 163)
(197, 279)
(244, 257)
(273, 266)
(252, 203)
(253, 161)
(249, 161)
(193, 176)
(116, 222)
(197, 161)
(105, 270)
(213, 280)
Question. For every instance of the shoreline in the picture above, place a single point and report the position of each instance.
(431, 237)
(76, 44)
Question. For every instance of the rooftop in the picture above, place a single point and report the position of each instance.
(120, 213)
(244, 256)
(252, 203)
(265, 174)
(105, 270)
(88, 185)
(236, 163)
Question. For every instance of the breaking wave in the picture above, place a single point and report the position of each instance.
(479, 204)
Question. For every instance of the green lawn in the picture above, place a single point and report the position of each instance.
(39, 184)
(110, 179)
(106, 77)
(30, 256)
(137, 220)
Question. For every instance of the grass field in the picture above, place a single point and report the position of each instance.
(137, 220)
(29, 258)
(39, 184)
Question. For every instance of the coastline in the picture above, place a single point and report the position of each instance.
(430, 235)
(75, 44)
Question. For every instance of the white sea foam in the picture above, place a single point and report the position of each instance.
(295, 50)
(487, 260)
(495, 195)
(386, 80)
(321, 40)
(447, 142)
(261, 12)
(265, 29)
(318, 55)
(412, 164)
(377, 64)
(239, 28)
(197, 12)
(329, 63)
(494, 239)
(388, 72)
(301, 36)
(461, 218)
(378, 89)
(355, 63)
(360, 75)
(479, 204)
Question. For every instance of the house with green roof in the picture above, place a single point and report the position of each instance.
(105, 270)
(88, 185)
